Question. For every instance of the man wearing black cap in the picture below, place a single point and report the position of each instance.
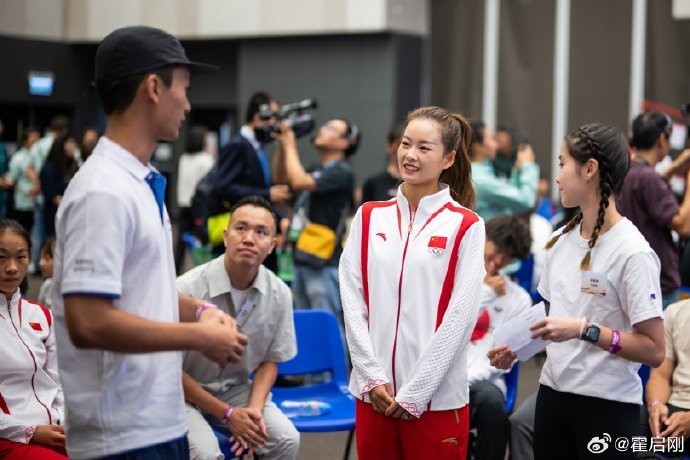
(117, 311)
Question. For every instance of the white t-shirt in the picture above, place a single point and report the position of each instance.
(111, 243)
(676, 327)
(191, 168)
(630, 270)
(239, 297)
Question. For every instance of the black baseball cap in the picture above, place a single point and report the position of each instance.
(136, 50)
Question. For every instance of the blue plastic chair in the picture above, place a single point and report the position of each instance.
(224, 443)
(320, 350)
(523, 276)
(511, 379)
(643, 372)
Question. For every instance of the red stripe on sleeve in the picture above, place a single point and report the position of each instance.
(49, 315)
(468, 218)
(367, 208)
(3, 405)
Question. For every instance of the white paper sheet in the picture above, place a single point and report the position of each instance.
(516, 334)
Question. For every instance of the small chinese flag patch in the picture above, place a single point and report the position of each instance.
(36, 327)
(438, 242)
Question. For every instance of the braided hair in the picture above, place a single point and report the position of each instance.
(609, 148)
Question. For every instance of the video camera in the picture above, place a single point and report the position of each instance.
(300, 122)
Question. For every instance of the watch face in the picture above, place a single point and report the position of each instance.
(592, 334)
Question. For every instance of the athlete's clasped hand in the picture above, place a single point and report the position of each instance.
(384, 403)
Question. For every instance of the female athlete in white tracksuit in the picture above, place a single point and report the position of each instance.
(31, 403)
(410, 279)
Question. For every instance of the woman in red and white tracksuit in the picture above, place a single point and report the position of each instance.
(31, 403)
(410, 279)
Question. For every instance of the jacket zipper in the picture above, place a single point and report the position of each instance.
(397, 320)
(33, 358)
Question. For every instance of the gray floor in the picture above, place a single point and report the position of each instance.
(328, 446)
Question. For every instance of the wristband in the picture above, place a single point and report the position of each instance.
(582, 327)
(652, 404)
(615, 345)
(228, 413)
(204, 306)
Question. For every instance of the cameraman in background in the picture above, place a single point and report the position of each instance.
(243, 167)
(325, 199)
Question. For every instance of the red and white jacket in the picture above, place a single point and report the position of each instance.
(30, 391)
(410, 289)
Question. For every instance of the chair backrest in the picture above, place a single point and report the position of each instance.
(319, 346)
(643, 372)
(511, 379)
(523, 276)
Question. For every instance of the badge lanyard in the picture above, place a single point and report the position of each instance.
(245, 311)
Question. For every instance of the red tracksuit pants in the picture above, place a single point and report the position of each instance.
(16, 451)
(436, 434)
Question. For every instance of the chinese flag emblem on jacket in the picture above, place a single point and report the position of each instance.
(438, 242)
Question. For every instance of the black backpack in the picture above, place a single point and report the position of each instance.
(205, 203)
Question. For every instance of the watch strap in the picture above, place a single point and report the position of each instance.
(615, 345)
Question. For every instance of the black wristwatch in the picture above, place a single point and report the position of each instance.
(591, 333)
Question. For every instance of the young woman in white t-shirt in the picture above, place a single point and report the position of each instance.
(605, 312)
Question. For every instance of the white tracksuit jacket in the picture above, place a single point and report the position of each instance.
(30, 391)
(410, 289)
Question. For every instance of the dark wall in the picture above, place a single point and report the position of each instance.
(457, 55)
(599, 79)
(525, 64)
(600, 62)
(19, 56)
(668, 57)
(358, 77)
(215, 89)
(69, 65)
(410, 60)
(73, 67)
(525, 72)
(371, 79)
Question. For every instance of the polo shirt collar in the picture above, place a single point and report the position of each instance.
(125, 159)
(219, 281)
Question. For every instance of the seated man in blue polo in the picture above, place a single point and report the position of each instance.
(261, 303)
